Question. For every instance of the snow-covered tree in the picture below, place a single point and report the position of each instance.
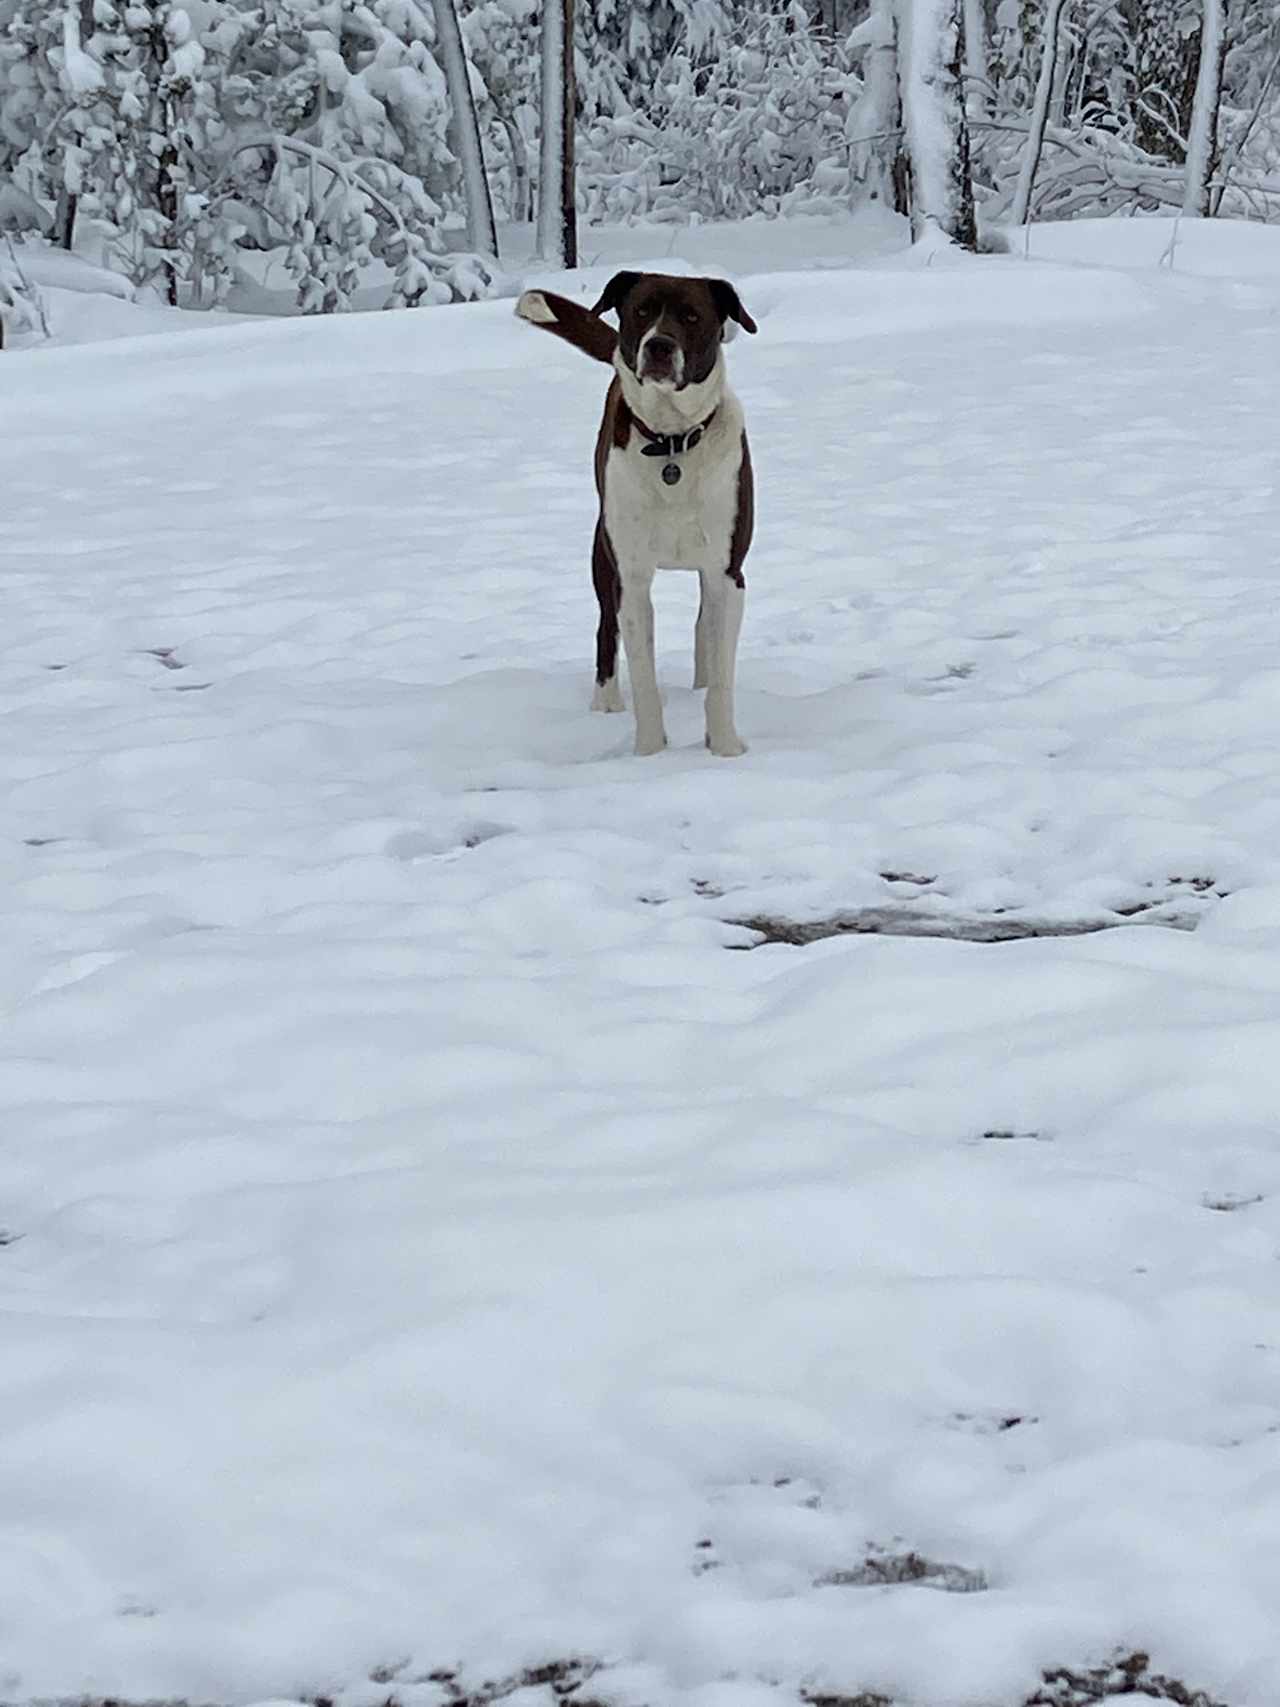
(557, 180)
(1021, 210)
(481, 231)
(765, 124)
(1162, 68)
(500, 37)
(21, 304)
(626, 43)
(931, 36)
(977, 71)
(337, 136)
(31, 98)
(122, 127)
(1202, 144)
(339, 118)
(1251, 102)
(874, 126)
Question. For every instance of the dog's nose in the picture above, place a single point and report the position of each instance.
(660, 350)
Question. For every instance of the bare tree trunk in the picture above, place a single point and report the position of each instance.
(1202, 144)
(557, 205)
(1020, 212)
(933, 110)
(521, 188)
(482, 233)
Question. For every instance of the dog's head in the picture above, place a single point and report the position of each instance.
(670, 329)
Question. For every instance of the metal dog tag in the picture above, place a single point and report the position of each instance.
(671, 473)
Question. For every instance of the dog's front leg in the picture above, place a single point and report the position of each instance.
(719, 623)
(700, 676)
(637, 638)
(604, 573)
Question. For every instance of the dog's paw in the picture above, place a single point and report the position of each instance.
(607, 697)
(727, 747)
(648, 745)
(532, 305)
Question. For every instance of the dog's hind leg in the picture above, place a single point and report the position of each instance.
(604, 574)
(636, 612)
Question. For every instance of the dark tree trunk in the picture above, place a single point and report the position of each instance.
(64, 220)
(521, 188)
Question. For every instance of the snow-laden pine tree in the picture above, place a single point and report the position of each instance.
(47, 72)
(130, 143)
(340, 148)
(22, 312)
(31, 98)
(624, 44)
(761, 123)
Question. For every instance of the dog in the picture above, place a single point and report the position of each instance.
(673, 476)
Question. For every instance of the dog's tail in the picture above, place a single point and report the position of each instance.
(569, 320)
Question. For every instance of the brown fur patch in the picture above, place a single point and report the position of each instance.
(581, 327)
(687, 313)
(744, 518)
(615, 431)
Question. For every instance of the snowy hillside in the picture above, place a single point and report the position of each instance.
(440, 1239)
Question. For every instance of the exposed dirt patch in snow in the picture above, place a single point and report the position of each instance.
(1127, 1677)
(821, 1698)
(908, 921)
(879, 1569)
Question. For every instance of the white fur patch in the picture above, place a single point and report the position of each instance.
(688, 525)
(665, 409)
(607, 696)
(532, 305)
(677, 366)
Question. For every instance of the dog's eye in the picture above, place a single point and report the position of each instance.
(643, 311)
(689, 316)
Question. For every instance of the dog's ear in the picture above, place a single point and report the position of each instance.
(616, 292)
(729, 304)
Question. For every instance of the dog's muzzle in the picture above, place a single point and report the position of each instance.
(660, 358)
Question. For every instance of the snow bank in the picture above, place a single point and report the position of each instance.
(1204, 248)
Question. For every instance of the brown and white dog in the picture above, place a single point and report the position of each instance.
(673, 474)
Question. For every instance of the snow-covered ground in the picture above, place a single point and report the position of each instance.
(432, 1243)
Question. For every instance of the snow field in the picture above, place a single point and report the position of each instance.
(434, 1241)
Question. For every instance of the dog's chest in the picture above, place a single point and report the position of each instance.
(686, 524)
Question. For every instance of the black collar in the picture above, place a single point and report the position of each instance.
(670, 444)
